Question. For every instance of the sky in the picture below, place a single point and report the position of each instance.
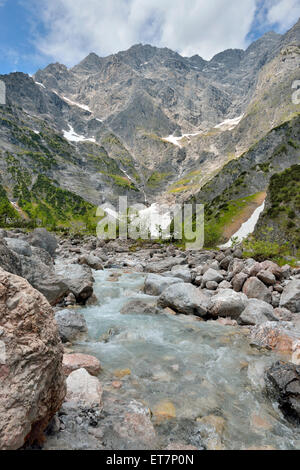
(34, 33)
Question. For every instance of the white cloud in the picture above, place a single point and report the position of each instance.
(285, 13)
(73, 28)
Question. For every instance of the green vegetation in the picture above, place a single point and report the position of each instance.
(156, 179)
(8, 215)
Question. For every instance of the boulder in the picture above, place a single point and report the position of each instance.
(224, 264)
(279, 336)
(257, 312)
(290, 297)
(71, 325)
(212, 275)
(19, 246)
(182, 272)
(212, 285)
(184, 298)
(267, 277)
(227, 303)
(41, 238)
(255, 289)
(78, 278)
(238, 281)
(92, 261)
(32, 379)
(283, 314)
(72, 362)
(225, 285)
(156, 284)
(83, 389)
(272, 268)
(283, 385)
(164, 265)
(9, 260)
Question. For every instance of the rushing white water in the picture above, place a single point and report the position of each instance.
(202, 368)
(247, 227)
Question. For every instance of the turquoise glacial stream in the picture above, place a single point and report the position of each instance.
(196, 368)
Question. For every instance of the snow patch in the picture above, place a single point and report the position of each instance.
(248, 227)
(229, 124)
(176, 140)
(72, 136)
(40, 84)
(74, 103)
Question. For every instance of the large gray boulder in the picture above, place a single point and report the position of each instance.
(182, 272)
(185, 298)
(41, 238)
(290, 297)
(71, 325)
(140, 307)
(9, 260)
(156, 284)
(78, 278)
(228, 303)
(19, 246)
(92, 261)
(255, 289)
(257, 312)
(212, 275)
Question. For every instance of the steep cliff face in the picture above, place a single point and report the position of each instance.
(146, 123)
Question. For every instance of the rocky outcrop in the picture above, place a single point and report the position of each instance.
(283, 385)
(33, 384)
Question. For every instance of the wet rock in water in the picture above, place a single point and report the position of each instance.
(238, 281)
(184, 298)
(164, 409)
(92, 261)
(79, 280)
(179, 446)
(257, 312)
(77, 361)
(121, 373)
(164, 265)
(19, 246)
(83, 389)
(283, 385)
(156, 284)
(212, 275)
(267, 277)
(255, 289)
(140, 307)
(227, 303)
(212, 428)
(279, 336)
(71, 325)
(33, 383)
(290, 298)
(41, 238)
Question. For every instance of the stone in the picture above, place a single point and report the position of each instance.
(156, 284)
(296, 353)
(32, 380)
(164, 265)
(71, 325)
(179, 446)
(257, 312)
(254, 269)
(267, 278)
(140, 307)
(225, 285)
(212, 428)
(290, 297)
(279, 336)
(164, 409)
(283, 385)
(19, 246)
(226, 321)
(84, 389)
(212, 285)
(272, 267)
(182, 272)
(212, 275)
(41, 238)
(184, 298)
(224, 264)
(286, 271)
(9, 260)
(283, 314)
(238, 281)
(275, 301)
(92, 261)
(121, 373)
(255, 289)
(78, 278)
(72, 362)
(227, 303)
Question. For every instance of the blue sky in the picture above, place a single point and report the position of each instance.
(34, 33)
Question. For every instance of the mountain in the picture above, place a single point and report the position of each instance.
(145, 122)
